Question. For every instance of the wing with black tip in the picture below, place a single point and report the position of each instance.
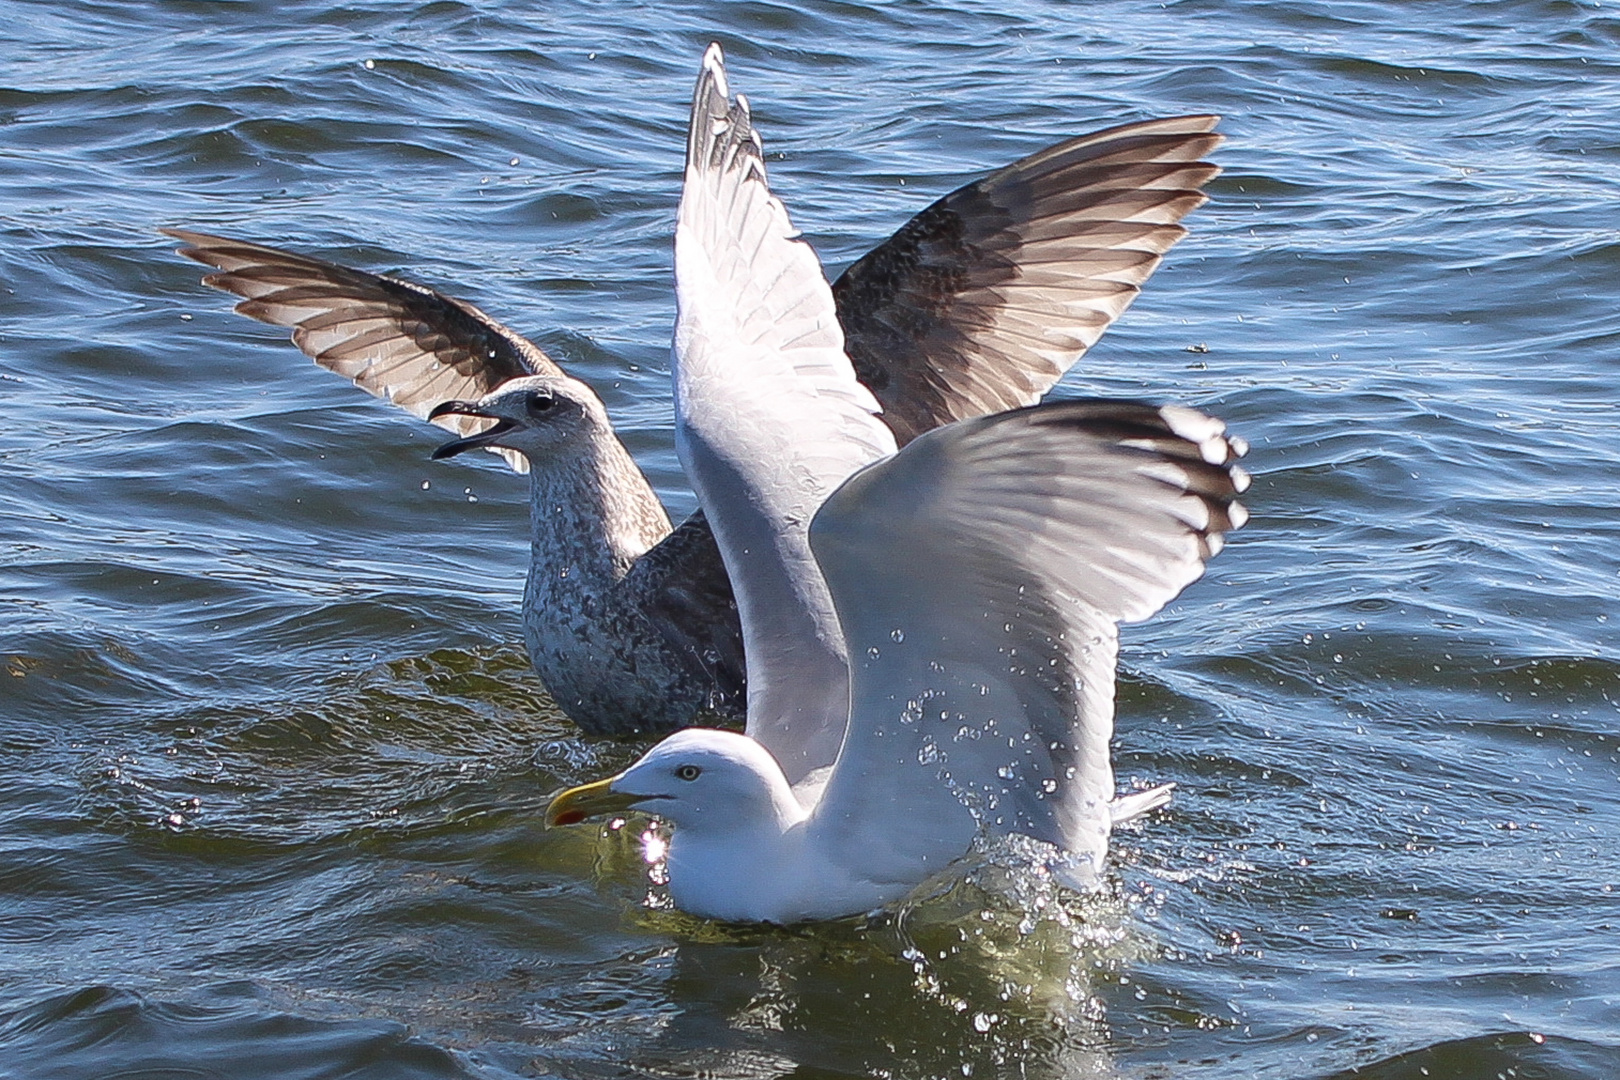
(769, 419)
(979, 576)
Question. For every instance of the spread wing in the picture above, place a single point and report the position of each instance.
(397, 340)
(981, 302)
(979, 575)
(769, 419)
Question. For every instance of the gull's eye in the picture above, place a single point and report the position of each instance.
(538, 403)
(688, 772)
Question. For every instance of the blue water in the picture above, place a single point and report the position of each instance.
(271, 762)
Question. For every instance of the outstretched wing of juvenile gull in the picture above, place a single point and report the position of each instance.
(979, 577)
(397, 340)
(769, 419)
(982, 301)
(977, 304)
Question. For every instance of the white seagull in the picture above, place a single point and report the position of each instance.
(931, 635)
(979, 303)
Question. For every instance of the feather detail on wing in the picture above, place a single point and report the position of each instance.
(769, 419)
(687, 597)
(979, 576)
(399, 341)
(982, 301)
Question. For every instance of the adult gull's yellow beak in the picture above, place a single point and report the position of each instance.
(588, 800)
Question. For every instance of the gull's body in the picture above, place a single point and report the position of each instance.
(930, 632)
(599, 608)
(979, 303)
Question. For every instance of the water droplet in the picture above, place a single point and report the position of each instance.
(898, 635)
(872, 652)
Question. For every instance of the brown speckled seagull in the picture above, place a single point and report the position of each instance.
(978, 304)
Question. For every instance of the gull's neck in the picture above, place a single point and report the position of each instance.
(590, 518)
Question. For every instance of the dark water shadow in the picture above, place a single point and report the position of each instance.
(1516, 1054)
(106, 1032)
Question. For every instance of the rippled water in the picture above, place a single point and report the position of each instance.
(271, 764)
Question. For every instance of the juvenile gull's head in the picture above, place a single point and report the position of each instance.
(540, 416)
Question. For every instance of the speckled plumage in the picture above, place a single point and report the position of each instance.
(592, 597)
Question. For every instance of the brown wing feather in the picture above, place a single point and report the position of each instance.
(400, 341)
(981, 302)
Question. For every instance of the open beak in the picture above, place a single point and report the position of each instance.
(483, 438)
(589, 800)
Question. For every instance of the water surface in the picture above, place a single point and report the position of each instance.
(272, 765)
